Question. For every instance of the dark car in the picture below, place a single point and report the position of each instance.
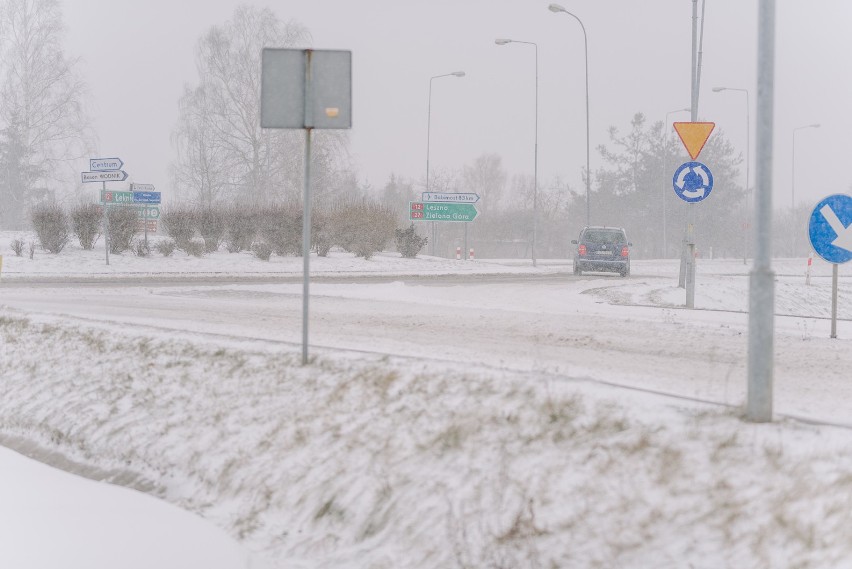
(601, 248)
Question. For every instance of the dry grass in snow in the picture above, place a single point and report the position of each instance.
(361, 462)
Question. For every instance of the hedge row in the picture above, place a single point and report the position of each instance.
(360, 226)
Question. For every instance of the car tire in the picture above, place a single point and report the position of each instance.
(577, 271)
(625, 272)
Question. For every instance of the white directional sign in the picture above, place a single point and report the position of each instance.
(142, 187)
(105, 164)
(107, 176)
(830, 228)
(449, 197)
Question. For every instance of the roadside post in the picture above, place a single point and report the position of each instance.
(145, 195)
(761, 305)
(105, 170)
(830, 234)
(306, 89)
(692, 182)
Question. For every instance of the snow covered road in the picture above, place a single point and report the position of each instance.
(632, 332)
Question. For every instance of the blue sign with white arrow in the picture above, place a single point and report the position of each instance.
(692, 182)
(830, 228)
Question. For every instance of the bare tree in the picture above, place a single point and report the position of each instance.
(223, 154)
(42, 110)
(487, 178)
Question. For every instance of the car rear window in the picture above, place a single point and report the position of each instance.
(603, 236)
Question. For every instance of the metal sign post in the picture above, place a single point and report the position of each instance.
(692, 182)
(106, 226)
(105, 170)
(144, 194)
(306, 89)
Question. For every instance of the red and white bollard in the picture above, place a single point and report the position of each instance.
(470, 256)
(458, 253)
(808, 274)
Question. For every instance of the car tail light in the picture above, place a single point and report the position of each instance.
(625, 251)
(582, 250)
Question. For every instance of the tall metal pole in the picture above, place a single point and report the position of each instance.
(557, 8)
(306, 209)
(535, 168)
(667, 187)
(762, 278)
(306, 244)
(428, 147)
(428, 143)
(748, 175)
(106, 224)
(793, 186)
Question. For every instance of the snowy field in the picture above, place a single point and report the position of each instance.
(454, 414)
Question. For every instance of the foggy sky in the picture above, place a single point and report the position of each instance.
(138, 54)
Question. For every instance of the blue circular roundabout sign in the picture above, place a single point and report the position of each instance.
(692, 182)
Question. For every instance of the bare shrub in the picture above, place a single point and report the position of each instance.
(179, 223)
(362, 226)
(261, 250)
(122, 223)
(50, 223)
(322, 231)
(408, 242)
(211, 225)
(86, 224)
(240, 227)
(194, 247)
(18, 247)
(165, 247)
(140, 248)
(280, 226)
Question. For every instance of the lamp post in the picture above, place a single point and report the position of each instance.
(428, 139)
(665, 167)
(793, 162)
(501, 41)
(748, 164)
(555, 8)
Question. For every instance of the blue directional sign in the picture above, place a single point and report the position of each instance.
(692, 182)
(146, 197)
(830, 228)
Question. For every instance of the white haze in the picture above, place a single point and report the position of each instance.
(137, 55)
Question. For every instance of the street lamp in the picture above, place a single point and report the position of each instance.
(793, 161)
(748, 163)
(665, 167)
(557, 8)
(428, 138)
(503, 41)
(793, 187)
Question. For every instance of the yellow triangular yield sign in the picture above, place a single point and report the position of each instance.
(694, 135)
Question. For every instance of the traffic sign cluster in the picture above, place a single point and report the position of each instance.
(141, 196)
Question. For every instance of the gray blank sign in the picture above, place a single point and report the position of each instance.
(290, 77)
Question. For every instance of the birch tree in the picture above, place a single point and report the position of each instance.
(42, 108)
(222, 153)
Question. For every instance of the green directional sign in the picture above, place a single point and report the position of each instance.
(108, 196)
(435, 211)
(148, 212)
